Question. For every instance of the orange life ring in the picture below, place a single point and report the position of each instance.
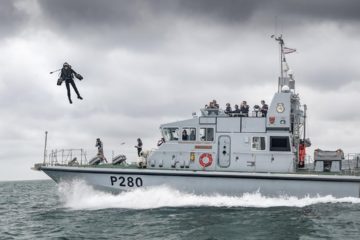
(206, 163)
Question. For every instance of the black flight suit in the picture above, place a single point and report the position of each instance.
(68, 76)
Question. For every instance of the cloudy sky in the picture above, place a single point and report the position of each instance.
(150, 62)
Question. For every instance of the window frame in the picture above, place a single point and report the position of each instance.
(213, 134)
(189, 134)
(260, 143)
(287, 148)
(173, 136)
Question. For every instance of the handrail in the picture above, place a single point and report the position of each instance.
(63, 156)
(350, 163)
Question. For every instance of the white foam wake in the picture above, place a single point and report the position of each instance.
(78, 195)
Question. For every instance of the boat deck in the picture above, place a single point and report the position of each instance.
(304, 171)
(350, 165)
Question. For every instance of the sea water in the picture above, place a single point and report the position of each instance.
(74, 210)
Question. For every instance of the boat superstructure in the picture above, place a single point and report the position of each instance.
(230, 153)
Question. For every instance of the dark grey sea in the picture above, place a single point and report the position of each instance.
(44, 210)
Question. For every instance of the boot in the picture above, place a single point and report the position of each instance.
(79, 97)
(70, 101)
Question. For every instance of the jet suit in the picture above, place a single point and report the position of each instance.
(67, 74)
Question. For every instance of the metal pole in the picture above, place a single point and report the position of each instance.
(305, 109)
(52, 157)
(45, 146)
(281, 58)
(281, 42)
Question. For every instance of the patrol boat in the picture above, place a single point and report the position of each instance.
(226, 153)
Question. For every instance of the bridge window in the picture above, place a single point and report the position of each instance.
(188, 134)
(206, 134)
(171, 134)
(279, 143)
(258, 143)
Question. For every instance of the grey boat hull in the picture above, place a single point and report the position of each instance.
(209, 183)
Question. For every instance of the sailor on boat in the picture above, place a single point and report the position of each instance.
(264, 108)
(139, 146)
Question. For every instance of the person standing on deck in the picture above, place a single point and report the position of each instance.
(244, 108)
(228, 109)
(139, 146)
(100, 147)
(264, 108)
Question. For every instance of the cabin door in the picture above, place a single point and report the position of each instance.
(224, 151)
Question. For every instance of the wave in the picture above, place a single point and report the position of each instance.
(78, 195)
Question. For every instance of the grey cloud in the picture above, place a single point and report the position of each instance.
(329, 79)
(146, 25)
(323, 9)
(11, 18)
(125, 14)
(238, 11)
(93, 13)
(110, 23)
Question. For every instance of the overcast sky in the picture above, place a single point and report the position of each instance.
(150, 62)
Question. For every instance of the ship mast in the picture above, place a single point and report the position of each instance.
(286, 77)
(282, 56)
(282, 59)
(286, 83)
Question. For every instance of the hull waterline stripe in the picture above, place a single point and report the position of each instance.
(209, 175)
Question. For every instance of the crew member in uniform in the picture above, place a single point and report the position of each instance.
(244, 108)
(192, 135)
(67, 75)
(228, 109)
(185, 136)
(100, 147)
(264, 108)
(139, 146)
(236, 111)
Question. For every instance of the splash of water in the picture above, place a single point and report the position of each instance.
(78, 195)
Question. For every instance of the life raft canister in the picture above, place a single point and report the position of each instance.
(208, 159)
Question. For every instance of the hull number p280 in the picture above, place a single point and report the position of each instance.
(126, 181)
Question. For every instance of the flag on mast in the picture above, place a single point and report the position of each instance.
(289, 50)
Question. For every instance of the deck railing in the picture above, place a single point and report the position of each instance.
(351, 163)
(64, 156)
